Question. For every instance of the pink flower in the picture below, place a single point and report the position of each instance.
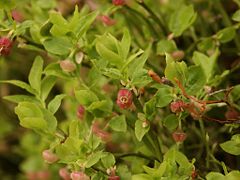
(80, 112)
(5, 46)
(124, 98)
(67, 65)
(177, 106)
(118, 2)
(17, 16)
(107, 20)
(79, 176)
(49, 156)
(64, 174)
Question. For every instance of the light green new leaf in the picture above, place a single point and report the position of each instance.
(182, 19)
(85, 97)
(58, 45)
(108, 160)
(21, 84)
(21, 98)
(35, 74)
(55, 103)
(125, 43)
(227, 34)
(46, 86)
(141, 177)
(118, 123)
(166, 46)
(93, 159)
(232, 146)
(140, 131)
(236, 16)
(108, 55)
(207, 63)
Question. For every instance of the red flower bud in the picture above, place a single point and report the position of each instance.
(107, 20)
(67, 65)
(179, 136)
(124, 98)
(104, 135)
(17, 16)
(80, 112)
(194, 174)
(118, 2)
(79, 176)
(5, 46)
(113, 178)
(64, 174)
(232, 114)
(177, 106)
(43, 175)
(49, 156)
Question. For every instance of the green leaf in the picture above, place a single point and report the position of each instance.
(118, 123)
(100, 108)
(227, 34)
(140, 131)
(215, 176)
(81, 26)
(85, 97)
(164, 96)
(55, 103)
(54, 69)
(206, 44)
(108, 55)
(58, 45)
(125, 43)
(207, 63)
(156, 172)
(182, 19)
(93, 159)
(47, 84)
(233, 175)
(171, 122)
(21, 84)
(140, 78)
(175, 70)
(150, 108)
(236, 16)
(141, 177)
(35, 74)
(30, 116)
(232, 146)
(235, 93)
(166, 46)
(108, 160)
(196, 80)
(112, 73)
(21, 98)
(137, 64)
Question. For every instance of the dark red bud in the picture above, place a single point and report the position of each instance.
(5, 46)
(113, 178)
(118, 2)
(49, 156)
(232, 114)
(80, 112)
(179, 136)
(124, 98)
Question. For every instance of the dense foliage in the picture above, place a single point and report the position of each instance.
(121, 89)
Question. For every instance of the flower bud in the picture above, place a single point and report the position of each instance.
(79, 176)
(124, 98)
(17, 16)
(67, 65)
(179, 136)
(49, 156)
(178, 55)
(177, 106)
(64, 174)
(107, 20)
(154, 76)
(80, 112)
(43, 175)
(231, 114)
(118, 2)
(5, 46)
(113, 178)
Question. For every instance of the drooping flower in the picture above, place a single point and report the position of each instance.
(49, 156)
(124, 98)
(5, 46)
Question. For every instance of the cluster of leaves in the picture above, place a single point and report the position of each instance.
(168, 58)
